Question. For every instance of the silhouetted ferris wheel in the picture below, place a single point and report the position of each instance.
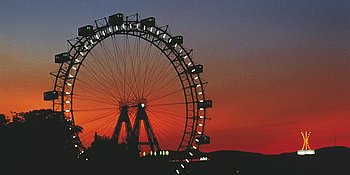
(129, 78)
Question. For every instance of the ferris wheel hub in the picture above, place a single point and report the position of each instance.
(142, 105)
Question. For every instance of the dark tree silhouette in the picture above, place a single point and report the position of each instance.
(3, 120)
(107, 157)
(37, 142)
(40, 142)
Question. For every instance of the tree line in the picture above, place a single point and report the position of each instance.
(40, 142)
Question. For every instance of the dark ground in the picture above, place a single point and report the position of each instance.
(326, 161)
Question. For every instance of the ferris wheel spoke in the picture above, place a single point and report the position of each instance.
(166, 125)
(92, 109)
(94, 66)
(117, 62)
(169, 113)
(106, 126)
(165, 138)
(167, 119)
(92, 132)
(90, 75)
(141, 63)
(147, 66)
(164, 79)
(132, 64)
(164, 91)
(136, 69)
(142, 72)
(157, 82)
(110, 76)
(107, 76)
(166, 104)
(162, 96)
(92, 87)
(111, 59)
(165, 130)
(160, 74)
(170, 122)
(95, 93)
(135, 79)
(86, 136)
(159, 94)
(94, 98)
(152, 69)
(99, 117)
(125, 75)
(99, 85)
(117, 50)
(98, 100)
(90, 72)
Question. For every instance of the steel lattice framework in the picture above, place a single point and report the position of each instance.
(189, 74)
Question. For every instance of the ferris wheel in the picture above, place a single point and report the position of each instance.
(125, 77)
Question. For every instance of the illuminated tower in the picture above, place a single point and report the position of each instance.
(306, 150)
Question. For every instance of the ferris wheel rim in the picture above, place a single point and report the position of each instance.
(190, 78)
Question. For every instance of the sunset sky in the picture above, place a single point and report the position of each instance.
(274, 68)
